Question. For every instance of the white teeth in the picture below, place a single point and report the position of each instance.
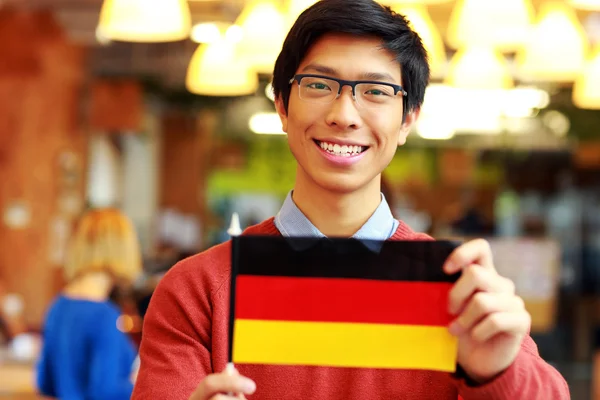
(343, 150)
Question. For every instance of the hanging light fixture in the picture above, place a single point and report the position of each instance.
(215, 70)
(586, 90)
(142, 21)
(502, 24)
(557, 46)
(432, 40)
(591, 5)
(478, 67)
(206, 32)
(264, 28)
(209, 32)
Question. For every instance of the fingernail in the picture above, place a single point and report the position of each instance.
(449, 267)
(249, 386)
(455, 328)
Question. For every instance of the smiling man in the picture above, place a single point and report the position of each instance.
(349, 83)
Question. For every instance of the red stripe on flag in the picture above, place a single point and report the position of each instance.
(342, 300)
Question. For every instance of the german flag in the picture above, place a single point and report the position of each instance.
(339, 302)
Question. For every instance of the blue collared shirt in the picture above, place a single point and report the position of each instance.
(292, 222)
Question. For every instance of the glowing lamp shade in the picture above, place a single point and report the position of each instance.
(216, 71)
(502, 24)
(264, 27)
(557, 46)
(586, 90)
(591, 5)
(144, 20)
(478, 67)
(432, 40)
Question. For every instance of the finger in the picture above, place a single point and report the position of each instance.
(228, 397)
(480, 306)
(224, 397)
(475, 278)
(224, 383)
(514, 323)
(476, 251)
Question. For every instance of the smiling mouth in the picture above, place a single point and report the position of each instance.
(341, 150)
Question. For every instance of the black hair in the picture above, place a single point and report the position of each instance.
(365, 18)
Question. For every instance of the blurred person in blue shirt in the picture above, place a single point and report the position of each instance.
(85, 352)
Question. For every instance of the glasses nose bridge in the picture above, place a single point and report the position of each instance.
(352, 89)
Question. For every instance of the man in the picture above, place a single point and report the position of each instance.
(349, 82)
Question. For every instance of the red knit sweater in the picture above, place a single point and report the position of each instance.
(185, 338)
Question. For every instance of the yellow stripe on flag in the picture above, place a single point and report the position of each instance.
(344, 345)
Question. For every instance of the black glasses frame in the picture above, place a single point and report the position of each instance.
(352, 84)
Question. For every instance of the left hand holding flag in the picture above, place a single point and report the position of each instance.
(491, 320)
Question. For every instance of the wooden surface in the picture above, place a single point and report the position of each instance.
(41, 78)
(17, 381)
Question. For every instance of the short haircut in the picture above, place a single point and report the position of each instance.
(104, 241)
(362, 18)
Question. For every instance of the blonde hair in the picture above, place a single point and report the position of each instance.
(106, 241)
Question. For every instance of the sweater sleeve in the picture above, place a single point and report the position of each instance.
(110, 360)
(529, 377)
(175, 353)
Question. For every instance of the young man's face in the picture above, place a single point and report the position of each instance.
(366, 132)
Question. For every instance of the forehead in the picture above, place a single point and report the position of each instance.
(352, 57)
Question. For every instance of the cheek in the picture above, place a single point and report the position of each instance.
(387, 132)
(300, 118)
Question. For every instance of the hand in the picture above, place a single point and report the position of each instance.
(491, 320)
(222, 386)
(135, 369)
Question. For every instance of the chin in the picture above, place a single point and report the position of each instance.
(341, 183)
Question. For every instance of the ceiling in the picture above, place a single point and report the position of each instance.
(163, 62)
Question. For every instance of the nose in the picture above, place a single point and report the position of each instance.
(343, 113)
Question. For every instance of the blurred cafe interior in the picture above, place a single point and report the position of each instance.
(163, 109)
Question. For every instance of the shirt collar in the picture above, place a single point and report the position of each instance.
(292, 222)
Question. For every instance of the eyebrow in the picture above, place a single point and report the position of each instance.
(323, 69)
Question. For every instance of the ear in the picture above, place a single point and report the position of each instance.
(409, 121)
(282, 113)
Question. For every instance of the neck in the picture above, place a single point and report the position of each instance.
(336, 214)
(94, 286)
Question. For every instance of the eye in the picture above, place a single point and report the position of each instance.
(318, 86)
(378, 91)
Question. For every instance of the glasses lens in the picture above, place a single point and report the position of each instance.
(318, 90)
(369, 94)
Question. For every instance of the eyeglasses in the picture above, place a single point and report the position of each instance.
(324, 89)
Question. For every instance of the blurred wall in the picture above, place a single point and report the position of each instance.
(42, 153)
(187, 152)
(141, 170)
